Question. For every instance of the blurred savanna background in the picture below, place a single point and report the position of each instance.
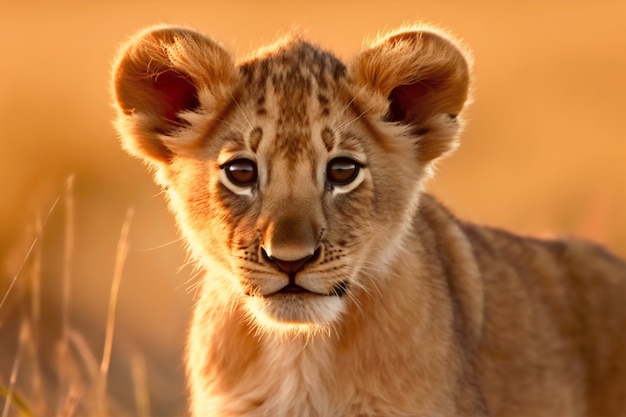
(544, 153)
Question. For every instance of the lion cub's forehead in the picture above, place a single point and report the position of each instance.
(292, 93)
(294, 70)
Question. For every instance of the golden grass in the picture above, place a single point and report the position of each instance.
(80, 388)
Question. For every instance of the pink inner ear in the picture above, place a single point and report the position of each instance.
(177, 94)
(403, 98)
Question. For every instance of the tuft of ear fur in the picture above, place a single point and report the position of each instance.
(418, 78)
(162, 78)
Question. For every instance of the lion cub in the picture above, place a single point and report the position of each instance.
(334, 286)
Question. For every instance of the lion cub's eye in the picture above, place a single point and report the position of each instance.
(342, 171)
(241, 172)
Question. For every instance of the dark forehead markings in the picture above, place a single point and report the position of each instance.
(324, 104)
(297, 64)
(255, 138)
(260, 106)
(328, 137)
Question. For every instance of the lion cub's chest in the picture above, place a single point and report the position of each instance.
(291, 378)
(313, 380)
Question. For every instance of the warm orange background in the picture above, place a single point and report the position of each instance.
(544, 151)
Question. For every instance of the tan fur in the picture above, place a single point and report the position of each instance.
(395, 307)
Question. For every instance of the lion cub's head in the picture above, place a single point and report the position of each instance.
(293, 177)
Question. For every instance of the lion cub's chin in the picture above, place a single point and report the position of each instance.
(295, 313)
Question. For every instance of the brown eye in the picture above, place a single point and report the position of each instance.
(342, 171)
(241, 172)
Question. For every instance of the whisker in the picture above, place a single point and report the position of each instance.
(349, 122)
(234, 127)
(166, 244)
(192, 284)
(242, 111)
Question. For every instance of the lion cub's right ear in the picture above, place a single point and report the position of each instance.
(163, 79)
(419, 78)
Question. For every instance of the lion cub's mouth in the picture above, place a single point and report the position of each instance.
(293, 289)
(338, 290)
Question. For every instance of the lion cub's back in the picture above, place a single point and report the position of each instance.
(558, 310)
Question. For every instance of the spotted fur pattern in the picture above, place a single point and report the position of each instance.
(334, 286)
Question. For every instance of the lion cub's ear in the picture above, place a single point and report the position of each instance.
(423, 79)
(169, 83)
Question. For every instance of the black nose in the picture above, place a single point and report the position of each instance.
(291, 267)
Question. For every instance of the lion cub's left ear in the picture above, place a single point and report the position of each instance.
(169, 83)
(418, 78)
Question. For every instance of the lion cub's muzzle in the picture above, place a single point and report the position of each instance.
(292, 244)
(291, 268)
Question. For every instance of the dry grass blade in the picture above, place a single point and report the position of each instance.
(68, 253)
(38, 402)
(140, 382)
(10, 392)
(120, 260)
(28, 253)
(63, 348)
(71, 401)
(17, 401)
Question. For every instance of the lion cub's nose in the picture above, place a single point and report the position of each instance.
(290, 267)
(290, 241)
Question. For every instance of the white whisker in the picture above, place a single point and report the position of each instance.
(242, 112)
(166, 244)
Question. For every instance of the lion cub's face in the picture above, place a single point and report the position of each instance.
(290, 175)
(291, 192)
